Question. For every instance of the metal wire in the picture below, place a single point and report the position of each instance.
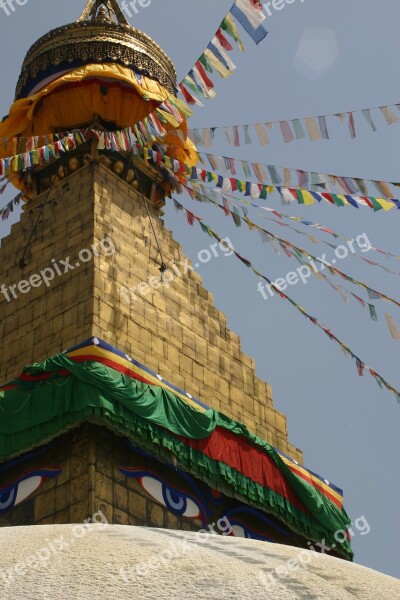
(163, 266)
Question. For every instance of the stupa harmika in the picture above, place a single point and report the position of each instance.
(153, 416)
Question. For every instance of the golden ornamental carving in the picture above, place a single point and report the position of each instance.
(91, 41)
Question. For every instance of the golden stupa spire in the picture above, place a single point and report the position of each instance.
(100, 8)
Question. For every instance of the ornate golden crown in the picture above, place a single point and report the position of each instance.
(101, 34)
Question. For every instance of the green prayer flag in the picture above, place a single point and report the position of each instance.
(300, 198)
(375, 204)
(338, 201)
(246, 169)
(247, 138)
(298, 129)
(372, 312)
(236, 217)
(210, 177)
(205, 228)
(206, 64)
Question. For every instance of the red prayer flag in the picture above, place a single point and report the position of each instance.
(204, 75)
(190, 217)
(223, 41)
(352, 126)
(188, 97)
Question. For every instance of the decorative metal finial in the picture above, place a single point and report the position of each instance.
(104, 11)
(102, 15)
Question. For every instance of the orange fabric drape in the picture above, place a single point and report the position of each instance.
(71, 100)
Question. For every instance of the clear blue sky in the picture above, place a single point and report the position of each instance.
(346, 426)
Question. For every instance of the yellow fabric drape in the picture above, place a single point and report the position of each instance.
(72, 99)
(52, 107)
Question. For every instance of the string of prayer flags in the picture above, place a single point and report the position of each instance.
(296, 177)
(261, 191)
(305, 258)
(272, 287)
(320, 227)
(306, 197)
(9, 208)
(197, 84)
(316, 128)
(211, 196)
(143, 133)
(150, 130)
(40, 156)
(334, 246)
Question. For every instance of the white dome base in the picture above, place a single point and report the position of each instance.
(78, 562)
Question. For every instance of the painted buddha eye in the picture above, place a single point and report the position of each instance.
(24, 487)
(241, 526)
(177, 501)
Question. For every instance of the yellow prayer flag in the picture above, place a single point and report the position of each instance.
(262, 134)
(287, 176)
(232, 25)
(386, 205)
(389, 115)
(218, 66)
(395, 332)
(313, 130)
(307, 197)
(168, 117)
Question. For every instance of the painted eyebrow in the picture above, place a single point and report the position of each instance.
(24, 458)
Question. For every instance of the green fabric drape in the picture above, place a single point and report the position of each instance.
(108, 386)
(34, 412)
